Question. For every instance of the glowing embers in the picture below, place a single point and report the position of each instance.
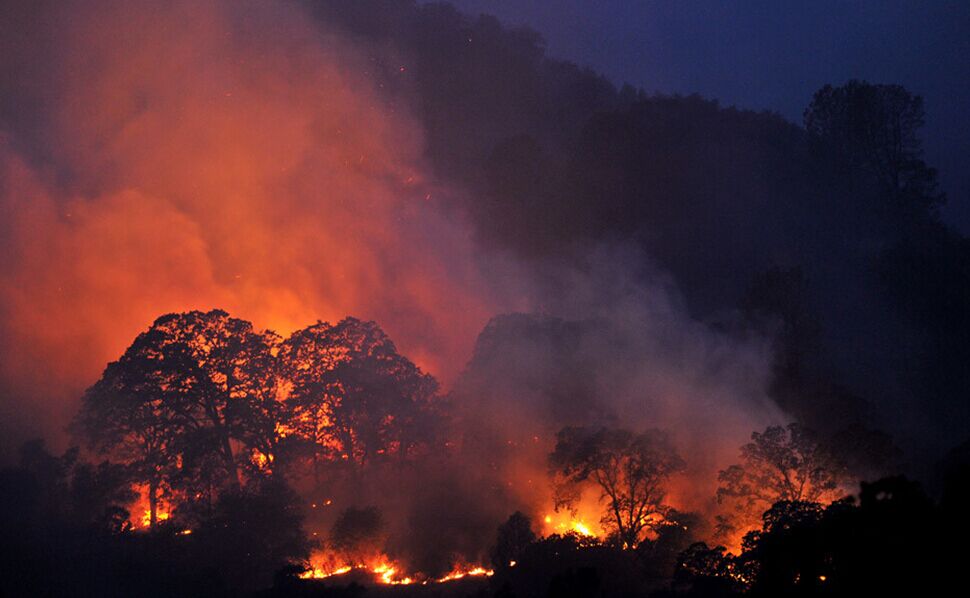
(262, 461)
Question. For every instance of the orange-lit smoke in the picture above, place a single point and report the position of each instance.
(209, 154)
(231, 154)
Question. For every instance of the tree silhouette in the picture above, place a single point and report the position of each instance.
(779, 464)
(173, 406)
(873, 129)
(352, 395)
(123, 416)
(630, 469)
(512, 539)
(75, 493)
(252, 532)
(659, 554)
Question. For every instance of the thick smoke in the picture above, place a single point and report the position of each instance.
(615, 352)
(163, 158)
(246, 156)
(621, 353)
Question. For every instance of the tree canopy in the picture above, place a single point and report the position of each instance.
(202, 401)
(873, 130)
(352, 394)
(780, 464)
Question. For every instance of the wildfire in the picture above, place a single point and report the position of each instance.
(146, 517)
(458, 573)
(388, 573)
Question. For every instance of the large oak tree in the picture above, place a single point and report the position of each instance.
(187, 403)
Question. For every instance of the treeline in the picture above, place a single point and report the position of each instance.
(788, 478)
(891, 539)
(69, 531)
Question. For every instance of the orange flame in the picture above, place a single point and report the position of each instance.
(566, 523)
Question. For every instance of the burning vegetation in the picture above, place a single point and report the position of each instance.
(328, 457)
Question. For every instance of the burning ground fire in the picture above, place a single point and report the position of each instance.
(385, 572)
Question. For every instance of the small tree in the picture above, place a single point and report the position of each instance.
(513, 537)
(631, 471)
(779, 464)
(74, 493)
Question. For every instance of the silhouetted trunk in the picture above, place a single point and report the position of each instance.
(222, 430)
(230, 462)
(152, 503)
(222, 424)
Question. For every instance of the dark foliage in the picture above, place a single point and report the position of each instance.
(353, 396)
(892, 541)
(790, 465)
(513, 537)
(65, 534)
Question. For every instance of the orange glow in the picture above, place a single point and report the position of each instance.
(265, 177)
(146, 518)
(141, 506)
(565, 523)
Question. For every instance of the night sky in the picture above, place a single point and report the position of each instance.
(774, 55)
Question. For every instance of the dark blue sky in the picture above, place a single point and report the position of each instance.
(774, 54)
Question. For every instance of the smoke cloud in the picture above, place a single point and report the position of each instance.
(216, 154)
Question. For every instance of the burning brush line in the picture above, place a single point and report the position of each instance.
(388, 573)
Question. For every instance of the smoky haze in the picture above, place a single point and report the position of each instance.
(750, 221)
